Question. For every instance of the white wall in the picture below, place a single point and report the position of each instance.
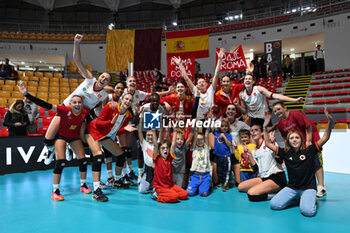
(337, 46)
(91, 53)
(336, 40)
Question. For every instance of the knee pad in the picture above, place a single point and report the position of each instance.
(82, 165)
(261, 197)
(59, 165)
(120, 160)
(50, 143)
(127, 151)
(108, 159)
(108, 154)
(97, 163)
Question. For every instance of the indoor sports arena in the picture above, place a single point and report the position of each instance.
(123, 115)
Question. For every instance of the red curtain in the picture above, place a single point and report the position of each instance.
(147, 49)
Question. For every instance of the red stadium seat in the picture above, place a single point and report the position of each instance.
(342, 121)
(332, 101)
(341, 93)
(339, 110)
(340, 75)
(317, 95)
(3, 110)
(337, 81)
(344, 100)
(4, 132)
(318, 102)
(311, 112)
(314, 122)
(329, 94)
(47, 120)
(42, 112)
(325, 81)
(337, 86)
(315, 88)
(42, 130)
(315, 83)
(51, 113)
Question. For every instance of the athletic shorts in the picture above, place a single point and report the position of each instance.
(233, 159)
(102, 139)
(319, 160)
(68, 140)
(107, 153)
(247, 175)
(149, 174)
(213, 157)
(279, 178)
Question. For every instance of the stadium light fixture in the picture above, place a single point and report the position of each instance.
(111, 26)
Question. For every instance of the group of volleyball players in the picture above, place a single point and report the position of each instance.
(196, 159)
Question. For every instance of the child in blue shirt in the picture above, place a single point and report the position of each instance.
(222, 144)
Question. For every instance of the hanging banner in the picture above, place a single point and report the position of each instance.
(188, 43)
(120, 46)
(232, 61)
(174, 71)
(273, 48)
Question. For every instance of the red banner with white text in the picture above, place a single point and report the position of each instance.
(174, 71)
(232, 61)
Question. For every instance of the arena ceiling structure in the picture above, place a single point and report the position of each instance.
(139, 13)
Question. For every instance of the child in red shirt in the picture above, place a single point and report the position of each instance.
(165, 189)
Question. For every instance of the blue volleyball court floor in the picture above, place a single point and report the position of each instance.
(26, 206)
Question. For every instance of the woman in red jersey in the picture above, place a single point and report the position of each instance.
(72, 117)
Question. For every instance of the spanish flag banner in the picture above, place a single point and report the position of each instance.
(189, 43)
(120, 46)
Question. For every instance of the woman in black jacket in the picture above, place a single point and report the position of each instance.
(16, 119)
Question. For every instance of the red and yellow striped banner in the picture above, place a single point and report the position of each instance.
(189, 43)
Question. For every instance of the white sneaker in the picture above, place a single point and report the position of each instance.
(103, 185)
(69, 153)
(321, 191)
(110, 182)
(139, 178)
(49, 157)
